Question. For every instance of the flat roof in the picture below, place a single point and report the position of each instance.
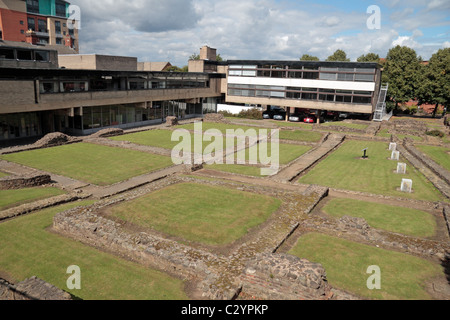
(28, 73)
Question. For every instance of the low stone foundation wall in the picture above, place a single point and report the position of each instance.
(214, 117)
(357, 228)
(40, 204)
(171, 121)
(441, 172)
(31, 289)
(17, 182)
(284, 277)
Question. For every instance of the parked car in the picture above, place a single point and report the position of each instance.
(275, 113)
(311, 118)
(297, 117)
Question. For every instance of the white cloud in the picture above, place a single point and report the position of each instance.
(252, 29)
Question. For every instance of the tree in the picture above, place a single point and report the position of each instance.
(402, 71)
(219, 58)
(435, 81)
(194, 57)
(177, 69)
(307, 57)
(370, 57)
(338, 55)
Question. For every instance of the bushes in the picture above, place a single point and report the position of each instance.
(254, 113)
(436, 133)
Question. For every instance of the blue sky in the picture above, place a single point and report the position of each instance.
(172, 30)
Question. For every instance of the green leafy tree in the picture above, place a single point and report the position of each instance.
(194, 57)
(370, 57)
(402, 72)
(307, 57)
(435, 80)
(177, 69)
(338, 55)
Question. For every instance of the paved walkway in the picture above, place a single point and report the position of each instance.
(309, 159)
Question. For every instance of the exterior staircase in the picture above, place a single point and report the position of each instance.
(380, 110)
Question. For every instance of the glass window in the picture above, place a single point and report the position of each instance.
(7, 54)
(60, 9)
(311, 75)
(328, 76)
(33, 6)
(346, 99)
(345, 76)
(87, 118)
(362, 100)
(24, 55)
(31, 24)
(58, 27)
(42, 26)
(364, 77)
(309, 96)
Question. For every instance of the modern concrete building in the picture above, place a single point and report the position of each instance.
(37, 100)
(153, 66)
(315, 86)
(38, 22)
(98, 62)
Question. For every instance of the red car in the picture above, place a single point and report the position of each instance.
(310, 119)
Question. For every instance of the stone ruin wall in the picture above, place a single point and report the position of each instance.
(20, 182)
(31, 289)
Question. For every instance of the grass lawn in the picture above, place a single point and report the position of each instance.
(29, 249)
(2, 174)
(346, 264)
(384, 133)
(298, 135)
(237, 168)
(440, 155)
(343, 169)
(91, 163)
(201, 213)
(222, 127)
(12, 198)
(287, 152)
(152, 138)
(391, 218)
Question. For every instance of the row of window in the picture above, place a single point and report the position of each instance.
(314, 73)
(330, 95)
(60, 7)
(18, 54)
(100, 85)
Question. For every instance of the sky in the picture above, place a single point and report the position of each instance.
(173, 30)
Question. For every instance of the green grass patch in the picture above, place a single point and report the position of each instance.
(185, 210)
(300, 135)
(2, 174)
(29, 249)
(287, 152)
(384, 133)
(440, 155)
(391, 218)
(344, 169)
(12, 198)
(222, 127)
(346, 264)
(91, 163)
(152, 138)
